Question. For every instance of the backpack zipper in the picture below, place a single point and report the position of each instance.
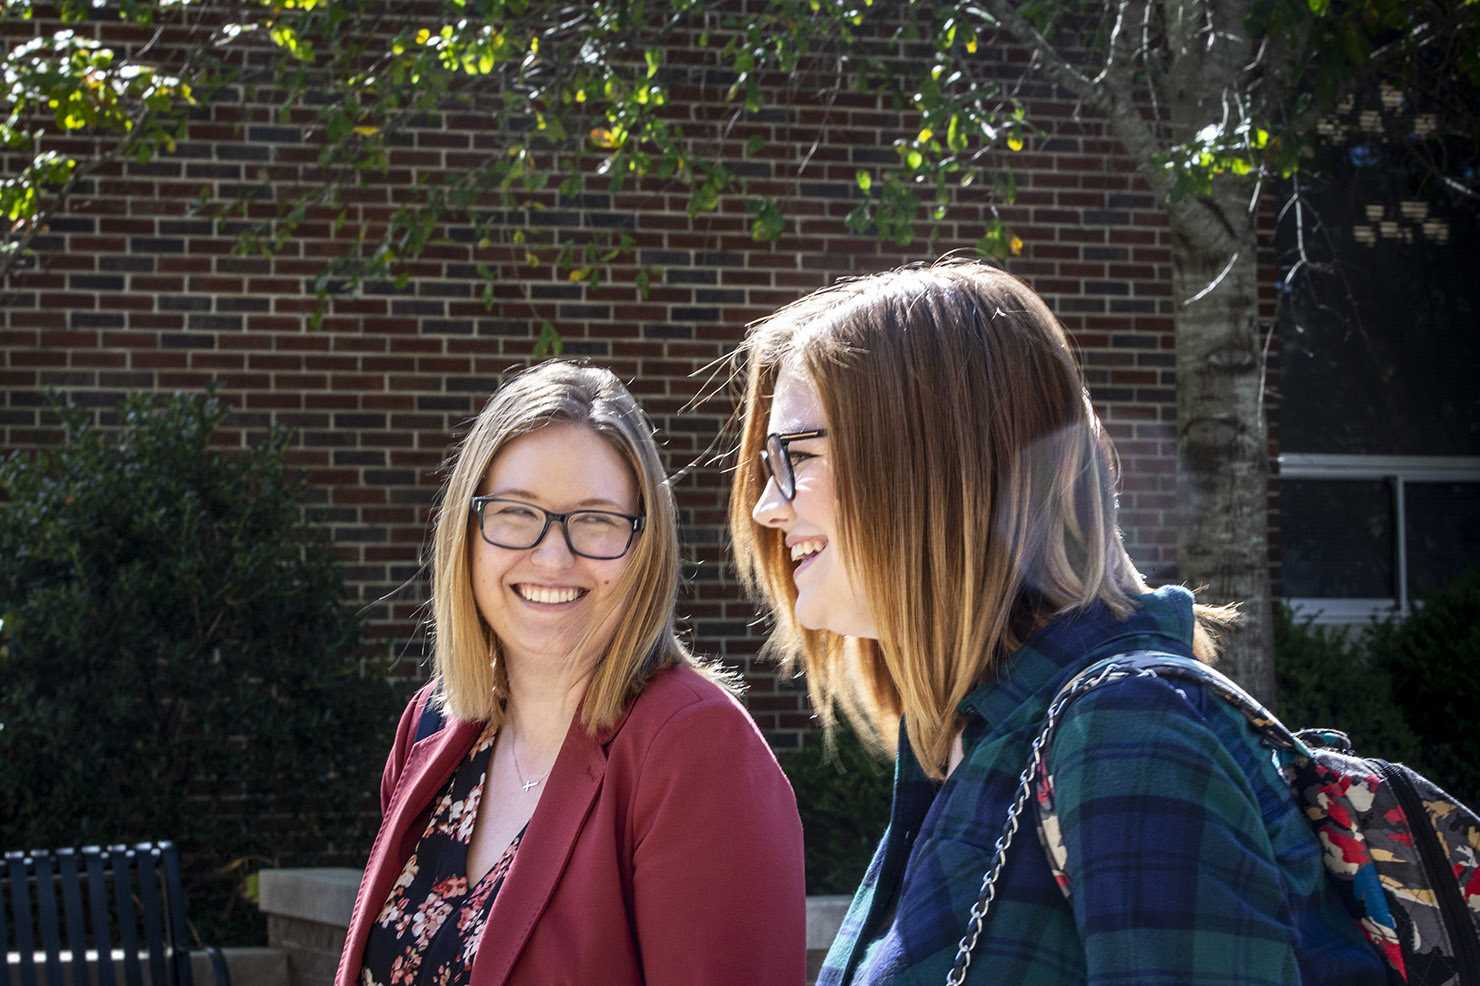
(1457, 921)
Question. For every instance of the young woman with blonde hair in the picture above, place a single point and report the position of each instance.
(926, 500)
(572, 798)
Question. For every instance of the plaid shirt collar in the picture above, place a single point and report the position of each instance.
(1033, 673)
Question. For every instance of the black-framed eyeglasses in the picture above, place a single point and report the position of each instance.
(781, 461)
(602, 534)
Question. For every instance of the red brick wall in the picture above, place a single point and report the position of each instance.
(130, 291)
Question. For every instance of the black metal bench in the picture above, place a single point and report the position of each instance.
(133, 914)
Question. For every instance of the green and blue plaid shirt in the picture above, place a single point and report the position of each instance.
(1191, 866)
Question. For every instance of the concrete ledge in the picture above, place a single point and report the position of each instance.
(327, 896)
(324, 895)
(248, 967)
(824, 918)
(308, 911)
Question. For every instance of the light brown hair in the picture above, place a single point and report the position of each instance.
(975, 489)
(467, 651)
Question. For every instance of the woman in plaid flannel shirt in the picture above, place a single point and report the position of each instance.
(926, 499)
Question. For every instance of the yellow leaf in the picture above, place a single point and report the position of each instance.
(925, 135)
(580, 95)
(534, 46)
(971, 44)
(422, 36)
(1015, 245)
(367, 131)
(1015, 143)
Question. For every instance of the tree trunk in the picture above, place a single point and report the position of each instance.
(1222, 445)
(1222, 437)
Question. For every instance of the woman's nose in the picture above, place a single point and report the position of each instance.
(552, 549)
(772, 509)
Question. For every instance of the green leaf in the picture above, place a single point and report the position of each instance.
(769, 223)
(955, 138)
(549, 342)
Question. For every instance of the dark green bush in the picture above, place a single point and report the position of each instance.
(177, 658)
(1326, 677)
(1433, 659)
(843, 797)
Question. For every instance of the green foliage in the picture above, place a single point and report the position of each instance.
(1433, 659)
(66, 83)
(1327, 678)
(843, 796)
(177, 658)
(575, 95)
(1404, 690)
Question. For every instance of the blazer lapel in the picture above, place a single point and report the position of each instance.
(429, 765)
(543, 854)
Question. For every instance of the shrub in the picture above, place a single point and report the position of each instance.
(843, 796)
(177, 658)
(1324, 677)
(1433, 659)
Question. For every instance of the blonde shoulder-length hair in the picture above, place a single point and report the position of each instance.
(467, 651)
(975, 489)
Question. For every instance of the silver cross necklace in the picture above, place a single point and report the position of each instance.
(527, 785)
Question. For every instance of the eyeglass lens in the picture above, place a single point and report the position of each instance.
(778, 463)
(592, 533)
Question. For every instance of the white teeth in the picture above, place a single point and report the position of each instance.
(544, 594)
(802, 549)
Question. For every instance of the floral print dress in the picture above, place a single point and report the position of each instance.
(429, 929)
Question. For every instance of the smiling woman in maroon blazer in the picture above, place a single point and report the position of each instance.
(573, 798)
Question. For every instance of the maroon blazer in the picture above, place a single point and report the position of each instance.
(665, 851)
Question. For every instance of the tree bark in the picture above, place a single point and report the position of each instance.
(1222, 436)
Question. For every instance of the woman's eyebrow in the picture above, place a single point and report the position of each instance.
(589, 502)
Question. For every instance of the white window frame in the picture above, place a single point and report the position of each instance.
(1401, 470)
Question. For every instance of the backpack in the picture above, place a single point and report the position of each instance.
(1403, 856)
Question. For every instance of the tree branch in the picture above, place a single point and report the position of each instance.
(1115, 99)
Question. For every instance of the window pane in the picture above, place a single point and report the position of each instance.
(1443, 531)
(1338, 538)
(1377, 340)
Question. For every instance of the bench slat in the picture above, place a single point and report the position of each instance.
(127, 922)
(20, 897)
(97, 896)
(153, 927)
(72, 909)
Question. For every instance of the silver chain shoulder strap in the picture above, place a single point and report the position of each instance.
(1068, 693)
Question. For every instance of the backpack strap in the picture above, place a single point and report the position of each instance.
(1159, 664)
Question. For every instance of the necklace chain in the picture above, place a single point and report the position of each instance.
(527, 785)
